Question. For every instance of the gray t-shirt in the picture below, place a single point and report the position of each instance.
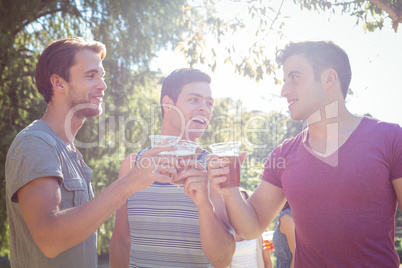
(38, 152)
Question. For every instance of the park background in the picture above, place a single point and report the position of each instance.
(234, 41)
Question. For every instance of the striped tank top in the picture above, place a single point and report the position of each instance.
(164, 227)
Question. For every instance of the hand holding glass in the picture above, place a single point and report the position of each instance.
(185, 150)
(164, 141)
(229, 153)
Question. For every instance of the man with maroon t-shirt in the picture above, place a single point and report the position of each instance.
(342, 175)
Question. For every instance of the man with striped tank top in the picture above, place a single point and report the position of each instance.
(169, 226)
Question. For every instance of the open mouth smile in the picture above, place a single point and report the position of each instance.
(98, 98)
(291, 102)
(199, 120)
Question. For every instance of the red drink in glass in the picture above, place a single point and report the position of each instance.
(233, 178)
(229, 153)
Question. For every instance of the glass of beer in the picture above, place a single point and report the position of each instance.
(165, 141)
(229, 152)
(186, 152)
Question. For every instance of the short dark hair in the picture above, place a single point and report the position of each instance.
(173, 84)
(322, 55)
(58, 58)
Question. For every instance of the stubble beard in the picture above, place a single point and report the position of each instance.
(84, 109)
(86, 112)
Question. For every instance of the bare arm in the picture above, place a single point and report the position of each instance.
(218, 243)
(55, 230)
(249, 218)
(287, 227)
(119, 247)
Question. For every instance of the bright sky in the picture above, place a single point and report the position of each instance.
(375, 59)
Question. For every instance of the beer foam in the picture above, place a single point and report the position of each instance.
(228, 153)
(183, 152)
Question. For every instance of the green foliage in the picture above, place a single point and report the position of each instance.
(398, 246)
(246, 41)
(212, 29)
(132, 30)
(398, 217)
(371, 13)
(398, 231)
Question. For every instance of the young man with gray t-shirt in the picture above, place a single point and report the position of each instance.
(53, 215)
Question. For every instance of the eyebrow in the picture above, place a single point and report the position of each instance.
(199, 95)
(94, 71)
(291, 73)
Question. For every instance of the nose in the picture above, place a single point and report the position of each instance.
(102, 84)
(285, 90)
(204, 108)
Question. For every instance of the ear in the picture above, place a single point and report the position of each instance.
(58, 83)
(330, 78)
(166, 103)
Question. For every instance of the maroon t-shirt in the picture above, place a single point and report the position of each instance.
(343, 205)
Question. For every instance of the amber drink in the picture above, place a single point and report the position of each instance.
(229, 153)
(165, 141)
(185, 153)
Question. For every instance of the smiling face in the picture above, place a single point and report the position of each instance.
(86, 86)
(192, 111)
(303, 92)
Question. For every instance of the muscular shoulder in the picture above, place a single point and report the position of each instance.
(290, 145)
(32, 155)
(378, 127)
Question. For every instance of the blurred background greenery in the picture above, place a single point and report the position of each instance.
(133, 32)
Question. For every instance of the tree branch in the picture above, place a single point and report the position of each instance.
(277, 15)
(73, 10)
(396, 18)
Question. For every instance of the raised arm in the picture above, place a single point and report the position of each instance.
(119, 247)
(217, 236)
(217, 240)
(55, 230)
(251, 217)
